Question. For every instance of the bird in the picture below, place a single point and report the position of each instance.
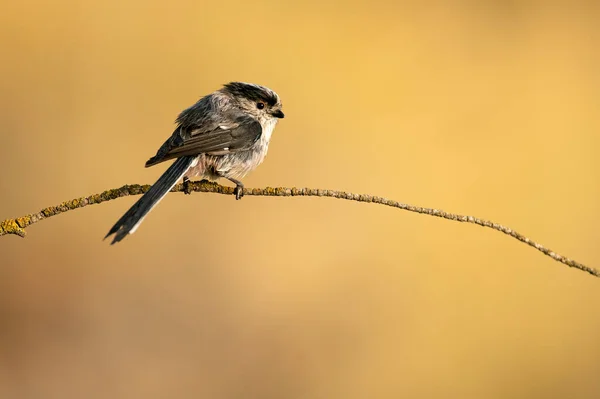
(225, 134)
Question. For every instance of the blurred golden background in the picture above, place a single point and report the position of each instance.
(484, 108)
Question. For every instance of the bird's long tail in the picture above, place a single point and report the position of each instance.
(131, 220)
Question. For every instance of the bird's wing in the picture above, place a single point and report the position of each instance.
(231, 135)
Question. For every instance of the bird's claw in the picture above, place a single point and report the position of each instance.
(187, 187)
(238, 191)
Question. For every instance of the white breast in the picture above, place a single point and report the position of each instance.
(262, 145)
(268, 125)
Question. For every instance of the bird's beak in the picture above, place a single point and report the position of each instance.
(278, 114)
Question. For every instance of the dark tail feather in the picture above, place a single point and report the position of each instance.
(130, 221)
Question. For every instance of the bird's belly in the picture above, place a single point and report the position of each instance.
(235, 165)
(241, 163)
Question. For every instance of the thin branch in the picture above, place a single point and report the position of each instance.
(17, 226)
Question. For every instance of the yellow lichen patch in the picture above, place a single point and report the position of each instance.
(110, 194)
(48, 211)
(95, 198)
(24, 221)
(270, 191)
(76, 203)
(11, 226)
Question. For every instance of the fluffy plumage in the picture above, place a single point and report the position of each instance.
(224, 134)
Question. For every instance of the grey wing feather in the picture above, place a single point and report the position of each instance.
(233, 135)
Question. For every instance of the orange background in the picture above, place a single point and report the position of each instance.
(483, 108)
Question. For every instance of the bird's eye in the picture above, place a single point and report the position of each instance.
(260, 105)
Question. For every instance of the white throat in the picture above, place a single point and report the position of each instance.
(268, 125)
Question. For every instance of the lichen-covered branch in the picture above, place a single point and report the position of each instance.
(17, 226)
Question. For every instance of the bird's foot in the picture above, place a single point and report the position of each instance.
(238, 191)
(187, 189)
